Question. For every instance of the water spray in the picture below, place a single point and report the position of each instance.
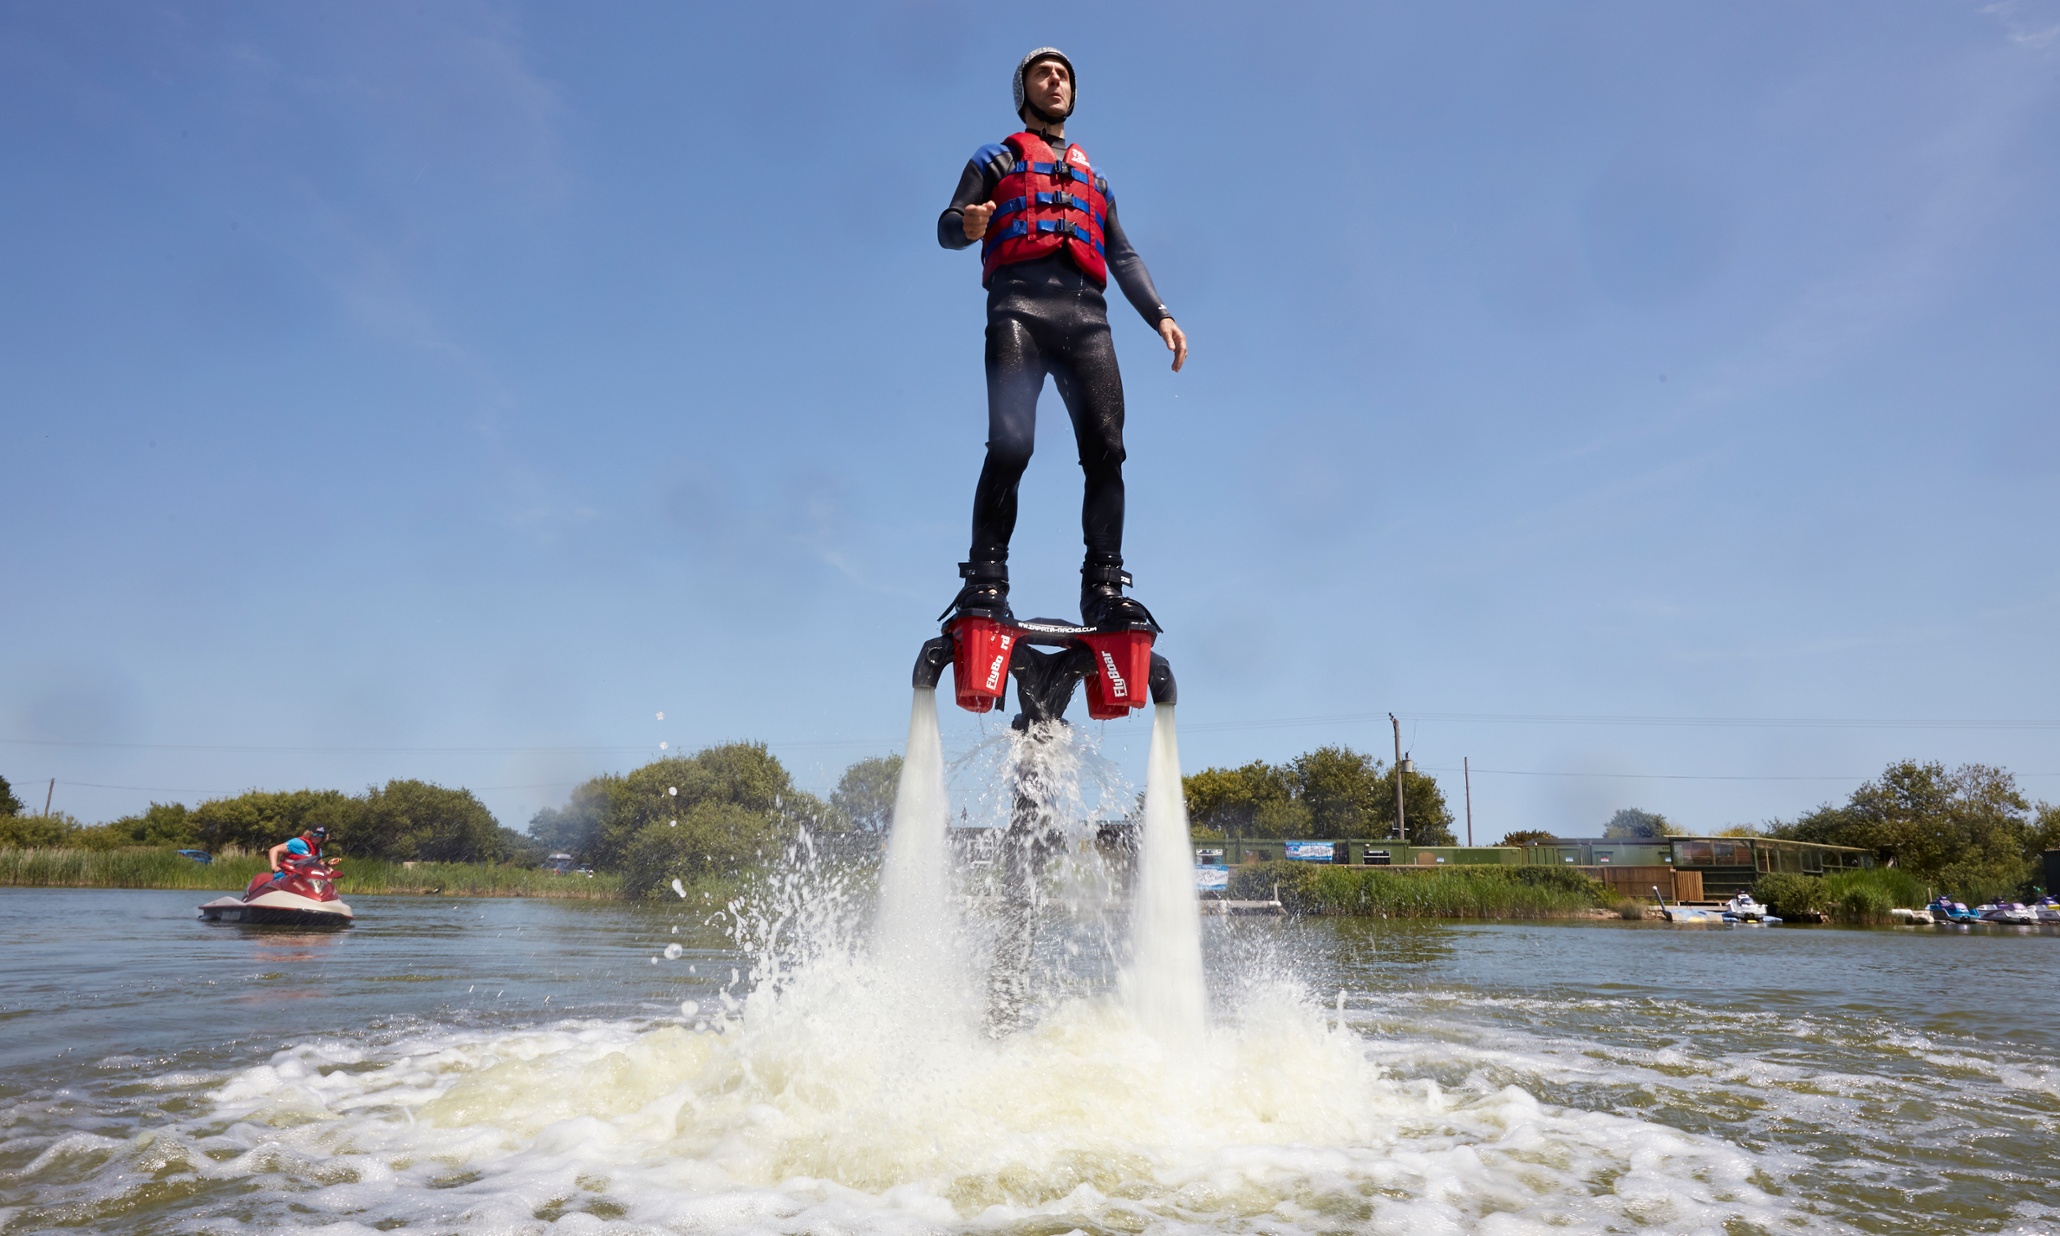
(1049, 661)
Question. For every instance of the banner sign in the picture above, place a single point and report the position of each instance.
(1311, 851)
(1212, 879)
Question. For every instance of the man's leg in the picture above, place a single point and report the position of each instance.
(1015, 375)
(1092, 386)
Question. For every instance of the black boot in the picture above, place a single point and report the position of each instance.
(1103, 605)
(986, 594)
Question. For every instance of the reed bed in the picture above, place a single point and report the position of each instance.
(155, 868)
(1423, 892)
(1867, 896)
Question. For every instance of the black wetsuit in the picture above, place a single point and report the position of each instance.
(1047, 317)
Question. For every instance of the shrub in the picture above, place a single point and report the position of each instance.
(1868, 896)
(137, 867)
(1420, 892)
(1975, 883)
(1791, 896)
(36, 832)
(711, 839)
(609, 815)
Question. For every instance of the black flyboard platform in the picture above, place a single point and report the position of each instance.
(1045, 681)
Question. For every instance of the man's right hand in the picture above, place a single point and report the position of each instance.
(975, 219)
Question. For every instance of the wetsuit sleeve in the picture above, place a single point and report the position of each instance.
(1128, 268)
(976, 184)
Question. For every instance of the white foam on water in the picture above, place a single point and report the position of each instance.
(1164, 977)
(816, 1108)
(848, 1084)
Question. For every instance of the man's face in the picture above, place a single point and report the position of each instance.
(1048, 85)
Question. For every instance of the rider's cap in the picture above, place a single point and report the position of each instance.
(317, 831)
(1023, 66)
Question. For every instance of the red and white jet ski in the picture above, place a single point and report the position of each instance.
(301, 894)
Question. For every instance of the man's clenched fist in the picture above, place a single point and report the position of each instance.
(976, 218)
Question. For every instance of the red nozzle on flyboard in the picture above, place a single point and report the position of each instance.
(980, 654)
(1121, 670)
(1122, 665)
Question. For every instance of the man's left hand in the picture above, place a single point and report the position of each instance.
(1176, 341)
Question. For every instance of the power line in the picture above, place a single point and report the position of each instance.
(176, 789)
(1494, 718)
(1262, 723)
(1521, 772)
(314, 750)
(1856, 723)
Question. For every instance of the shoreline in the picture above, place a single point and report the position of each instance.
(166, 870)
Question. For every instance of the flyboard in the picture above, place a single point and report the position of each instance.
(1049, 661)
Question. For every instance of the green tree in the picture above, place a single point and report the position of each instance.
(1527, 836)
(9, 804)
(1257, 800)
(259, 820)
(162, 824)
(1633, 824)
(864, 797)
(1968, 829)
(1429, 819)
(1342, 790)
(2045, 829)
(414, 821)
(608, 815)
(38, 832)
(1330, 792)
(575, 828)
(709, 838)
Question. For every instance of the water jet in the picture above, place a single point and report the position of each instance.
(1049, 661)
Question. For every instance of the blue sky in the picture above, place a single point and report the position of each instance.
(445, 390)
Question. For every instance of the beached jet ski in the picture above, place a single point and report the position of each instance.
(1944, 910)
(1743, 909)
(301, 894)
(2007, 912)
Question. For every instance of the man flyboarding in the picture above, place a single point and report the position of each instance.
(1049, 237)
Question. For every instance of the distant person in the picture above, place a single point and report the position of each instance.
(1049, 241)
(305, 848)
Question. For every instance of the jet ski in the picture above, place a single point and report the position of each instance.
(302, 893)
(2006, 912)
(2047, 909)
(1944, 910)
(1743, 909)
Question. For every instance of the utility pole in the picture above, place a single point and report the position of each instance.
(1466, 767)
(1401, 819)
(47, 795)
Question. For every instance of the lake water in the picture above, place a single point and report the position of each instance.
(534, 1066)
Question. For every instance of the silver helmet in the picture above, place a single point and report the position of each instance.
(1023, 66)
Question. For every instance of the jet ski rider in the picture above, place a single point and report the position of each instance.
(305, 848)
(1049, 240)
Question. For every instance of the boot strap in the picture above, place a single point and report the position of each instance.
(984, 572)
(1093, 574)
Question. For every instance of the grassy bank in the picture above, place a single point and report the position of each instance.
(1422, 892)
(154, 868)
(1867, 896)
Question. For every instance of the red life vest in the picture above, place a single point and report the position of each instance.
(1044, 205)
